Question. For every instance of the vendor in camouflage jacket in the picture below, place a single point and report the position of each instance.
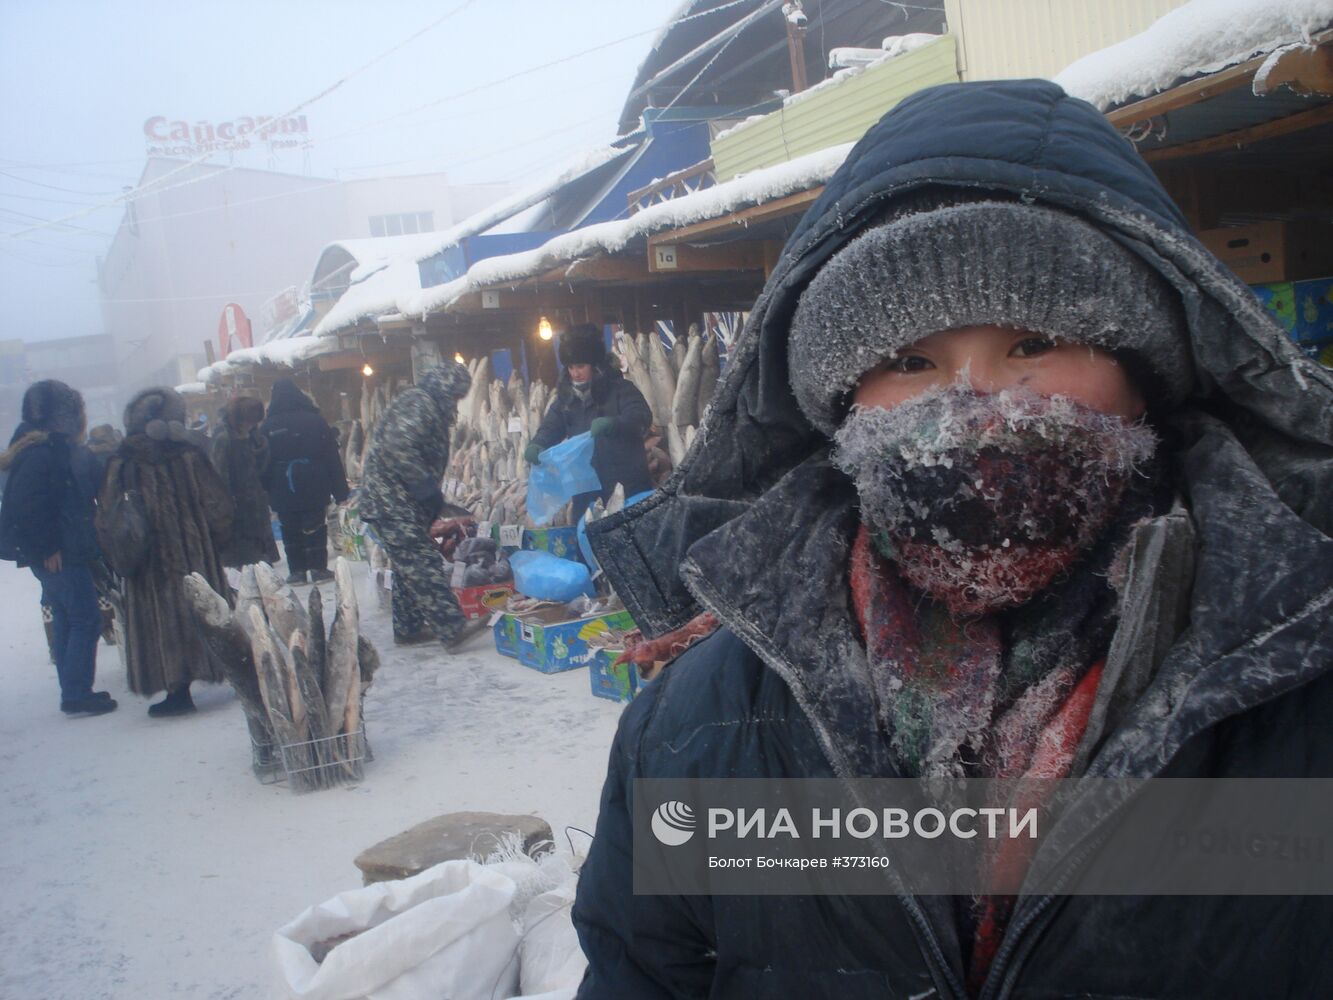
(400, 498)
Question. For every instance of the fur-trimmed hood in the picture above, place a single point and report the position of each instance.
(159, 413)
(24, 438)
(1017, 138)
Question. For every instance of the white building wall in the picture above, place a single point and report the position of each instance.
(237, 236)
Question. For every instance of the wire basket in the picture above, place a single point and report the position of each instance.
(312, 764)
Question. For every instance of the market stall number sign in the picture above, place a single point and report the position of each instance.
(665, 258)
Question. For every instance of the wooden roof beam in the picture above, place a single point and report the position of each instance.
(792, 204)
(738, 255)
(1300, 121)
(1198, 90)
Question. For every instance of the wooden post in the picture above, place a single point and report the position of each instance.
(795, 43)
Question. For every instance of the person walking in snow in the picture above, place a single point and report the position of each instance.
(1010, 478)
(46, 524)
(305, 470)
(189, 515)
(593, 396)
(401, 499)
(240, 455)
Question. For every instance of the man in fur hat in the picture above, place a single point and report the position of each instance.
(594, 396)
(46, 524)
(1009, 478)
(189, 515)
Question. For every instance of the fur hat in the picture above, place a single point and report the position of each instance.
(50, 405)
(160, 413)
(975, 263)
(582, 345)
(243, 409)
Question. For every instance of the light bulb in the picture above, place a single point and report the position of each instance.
(366, 370)
(544, 329)
(460, 359)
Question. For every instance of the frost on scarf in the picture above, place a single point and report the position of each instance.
(983, 499)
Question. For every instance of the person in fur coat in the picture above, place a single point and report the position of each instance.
(240, 454)
(190, 514)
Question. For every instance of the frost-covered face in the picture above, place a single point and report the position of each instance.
(993, 358)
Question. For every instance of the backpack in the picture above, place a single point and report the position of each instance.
(125, 530)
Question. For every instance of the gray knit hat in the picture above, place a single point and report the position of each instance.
(974, 264)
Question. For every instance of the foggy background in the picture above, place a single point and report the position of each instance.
(473, 96)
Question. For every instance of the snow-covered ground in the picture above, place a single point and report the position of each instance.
(142, 860)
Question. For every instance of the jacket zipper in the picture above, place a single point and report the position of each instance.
(995, 979)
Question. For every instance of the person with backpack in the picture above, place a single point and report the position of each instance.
(163, 514)
(305, 470)
(47, 525)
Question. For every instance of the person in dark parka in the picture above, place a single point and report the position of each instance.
(46, 524)
(189, 515)
(240, 455)
(305, 470)
(1212, 656)
(594, 396)
(401, 497)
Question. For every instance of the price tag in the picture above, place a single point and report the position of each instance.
(483, 529)
(511, 535)
(515, 425)
(388, 579)
(456, 581)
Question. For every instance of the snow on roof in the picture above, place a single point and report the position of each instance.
(285, 353)
(754, 188)
(374, 252)
(515, 203)
(1200, 37)
(375, 294)
(387, 275)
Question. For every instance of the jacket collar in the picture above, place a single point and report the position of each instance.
(777, 576)
(19, 445)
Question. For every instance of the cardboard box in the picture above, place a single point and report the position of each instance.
(1273, 251)
(483, 601)
(562, 542)
(1303, 308)
(612, 682)
(550, 645)
(506, 636)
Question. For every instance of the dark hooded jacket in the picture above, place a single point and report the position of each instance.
(1220, 664)
(618, 457)
(409, 450)
(189, 514)
(50, 481)
(305, 467)
(241, 462)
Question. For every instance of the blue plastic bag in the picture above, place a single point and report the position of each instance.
(565, 471)
(550, 578)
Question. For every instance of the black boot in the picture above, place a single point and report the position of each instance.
(321, 575)
(177, 702)
(295, 578)
(97, 703)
